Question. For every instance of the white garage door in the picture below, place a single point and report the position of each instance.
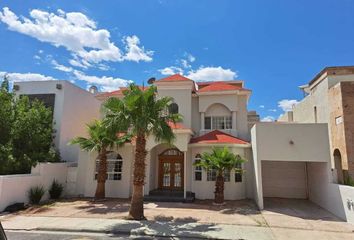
(284, 179)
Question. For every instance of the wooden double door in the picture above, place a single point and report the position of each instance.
(171, 170)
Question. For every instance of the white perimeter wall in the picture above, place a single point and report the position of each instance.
(14, 188)
(338, 199)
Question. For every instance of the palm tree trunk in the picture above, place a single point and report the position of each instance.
(102, 175)
(136, 210)
(219, 189)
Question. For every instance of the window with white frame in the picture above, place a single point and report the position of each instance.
(218, 122)
(114, 166)
(238, 175)
(211, 174)
(197, 169)
(226, 175)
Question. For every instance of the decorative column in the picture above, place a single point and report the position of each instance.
(202, 127)
(233, 119)
(185, 175)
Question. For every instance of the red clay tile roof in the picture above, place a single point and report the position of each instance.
(176, 125)
(117, 92)
(174, 78)
(219, 86)
(217, 136)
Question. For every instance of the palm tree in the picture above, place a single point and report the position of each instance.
(100, 140)
(220, 160)
(143, 114)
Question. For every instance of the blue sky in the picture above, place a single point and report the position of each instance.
(274, 46)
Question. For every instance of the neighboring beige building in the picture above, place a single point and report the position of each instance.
(329, 98)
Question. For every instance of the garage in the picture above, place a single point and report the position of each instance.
(282, 159)
(284, 179)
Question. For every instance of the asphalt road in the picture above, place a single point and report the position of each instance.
(45, 235)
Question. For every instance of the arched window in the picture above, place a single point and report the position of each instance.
(172, 152)
(114, 166)
(197, 169)
(217, 116)
(173, 108)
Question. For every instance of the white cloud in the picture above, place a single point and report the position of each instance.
(170, 70)
(77, 33)
(37, 57)
(190, 57)
(211, 74)
(104, 67)
(61, 67)
(287, 104)
(272, 110)
(106, 83)
(26, 77)
(77, 63)
(261, 106)
(185, 63)
(134, 52)
(268, 119)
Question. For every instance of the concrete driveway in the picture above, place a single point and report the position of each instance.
(281, 218)
(300, 219)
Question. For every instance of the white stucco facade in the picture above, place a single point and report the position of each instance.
(74, 107)
(287, 160)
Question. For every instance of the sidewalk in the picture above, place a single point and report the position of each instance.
(136, 228)
(181, 230)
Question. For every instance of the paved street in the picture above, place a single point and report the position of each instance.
(45, 235)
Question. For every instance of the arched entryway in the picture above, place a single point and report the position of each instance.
(338, 166)
(171, 169)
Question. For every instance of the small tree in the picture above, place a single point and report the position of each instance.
(32, 134)
(100, 139)
(144, 115)
(220, 160)
(26, 132)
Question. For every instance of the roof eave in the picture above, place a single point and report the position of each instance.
(247, 145)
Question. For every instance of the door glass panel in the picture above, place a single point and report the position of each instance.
(166, 179)
(178, 174)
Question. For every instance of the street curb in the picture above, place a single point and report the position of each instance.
(121, 232)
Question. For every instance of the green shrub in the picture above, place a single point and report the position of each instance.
(55, 190)
(35, 194)
(348, 180)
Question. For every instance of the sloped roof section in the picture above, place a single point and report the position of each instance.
(174, 78)
(177, 125)
(117, 92)
(217, 136)
(220, 86)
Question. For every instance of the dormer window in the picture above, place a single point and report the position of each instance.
(173, 108)
(218, 122)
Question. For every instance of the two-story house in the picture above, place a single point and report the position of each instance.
(214, 114)
(284, 160)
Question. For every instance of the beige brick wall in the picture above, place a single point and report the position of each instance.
(341, 100)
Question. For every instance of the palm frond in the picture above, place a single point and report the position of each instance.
(220, 159)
